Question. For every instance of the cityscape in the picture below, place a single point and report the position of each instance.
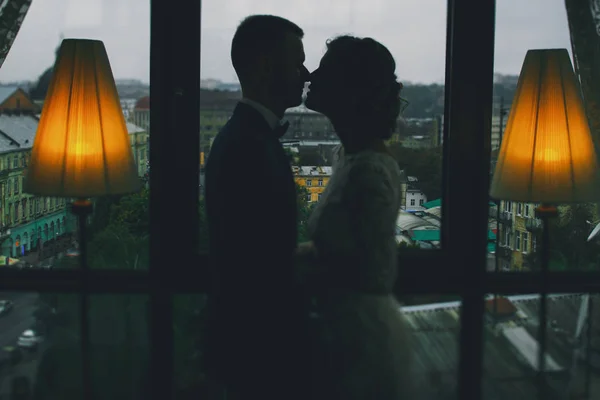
(40, 233)
(40, 333)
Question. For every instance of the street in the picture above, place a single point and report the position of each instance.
(12, 325)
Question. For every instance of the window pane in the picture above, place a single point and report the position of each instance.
(518, 29)
(189, 328)
(512, 342)
(433, 323)
(39, 230)
(311, 138)
(23, 327)
(118, 343)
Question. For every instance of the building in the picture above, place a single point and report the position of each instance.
(139, 147)
(308, 126)
(216, 107)
(418, 133)
(314, 179)
(498, 126)
(414, 198)
(26, 222)
(141, 113)
(518, 234)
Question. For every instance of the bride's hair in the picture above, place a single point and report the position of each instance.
(369, 70)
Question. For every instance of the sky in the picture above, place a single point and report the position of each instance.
(413, 30)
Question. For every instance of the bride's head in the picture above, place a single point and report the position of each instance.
(356, 87)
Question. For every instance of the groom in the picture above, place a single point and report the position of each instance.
(257, 340)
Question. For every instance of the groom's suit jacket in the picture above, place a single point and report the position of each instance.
(257, 319)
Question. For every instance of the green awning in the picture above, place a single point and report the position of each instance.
(491, 247)
(432, 235)
(426, 235)
(433, 203)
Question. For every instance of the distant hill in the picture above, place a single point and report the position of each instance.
(132, 89)
(425, 100)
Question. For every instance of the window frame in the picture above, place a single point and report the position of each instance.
(175, 91)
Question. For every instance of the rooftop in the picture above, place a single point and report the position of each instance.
(17, 132)
(312, 171)
(510, 342)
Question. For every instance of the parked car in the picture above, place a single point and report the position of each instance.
(30, 339)
(5, 306)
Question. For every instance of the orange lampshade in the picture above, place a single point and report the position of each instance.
(82, 147)
(548, 153)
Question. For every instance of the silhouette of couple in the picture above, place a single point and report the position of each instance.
(266, 339)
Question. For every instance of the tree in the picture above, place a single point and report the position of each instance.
(569, 246)
(570, 232)
(304, 210)
(424, 164)
(101, 215)
(132, 212)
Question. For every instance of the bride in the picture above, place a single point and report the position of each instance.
(363, 340)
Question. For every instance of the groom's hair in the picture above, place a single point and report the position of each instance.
(259, 35)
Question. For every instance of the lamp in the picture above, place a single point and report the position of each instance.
(548, 155)
(81, 148)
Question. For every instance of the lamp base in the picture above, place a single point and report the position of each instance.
(545, 212)
(81, 207)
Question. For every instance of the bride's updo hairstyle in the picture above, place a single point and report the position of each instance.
(368, 70)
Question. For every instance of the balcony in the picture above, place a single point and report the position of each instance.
(533, 224)
(506, 218)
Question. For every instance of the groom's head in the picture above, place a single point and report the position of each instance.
(268, 57)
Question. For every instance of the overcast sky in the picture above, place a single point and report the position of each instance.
(413, 30)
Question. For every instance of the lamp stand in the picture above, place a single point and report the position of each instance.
(82, 208)
(545, 212)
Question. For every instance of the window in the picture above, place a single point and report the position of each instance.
(412, 202)
(309, 182)
(319, 196)
(527, 210)
(461, 372)
(519, 208)
(525, 242)
(121, 337)
(508, 206)
(320, 182)
(518, 240)
(309, 198)
(421, 201)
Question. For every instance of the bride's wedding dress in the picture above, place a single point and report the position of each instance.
(364, 339)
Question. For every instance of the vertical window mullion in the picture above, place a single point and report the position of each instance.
(469, 88)
(174, 172)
